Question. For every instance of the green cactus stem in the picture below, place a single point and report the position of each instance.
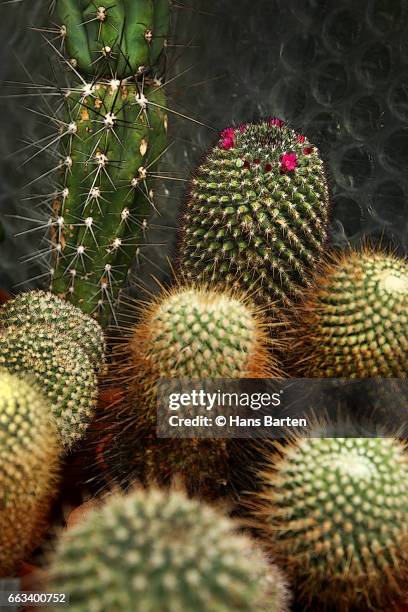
(29, 469)
(156, 551)
(257, 212)
(334, 513)
(353, 322)
(111, 133)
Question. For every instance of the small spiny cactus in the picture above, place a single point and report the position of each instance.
(29, 468)
(45, 309)
(152, 551)
(353, 322)
(62, 370)
(257, 212)
(334, 512)
(194, 333)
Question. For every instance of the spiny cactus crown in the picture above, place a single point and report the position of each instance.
(335, 512)
(257, 212)
(35, 308)
(61, 369)
(160, 551)
(201, 333)
(120, 38)
(354, 322)
(28, 460)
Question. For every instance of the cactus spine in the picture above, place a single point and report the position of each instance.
(257, 213)
(29, 468)
(111, 134)
(155, 551)
(334, 512)
(353, 322)
(189, 332)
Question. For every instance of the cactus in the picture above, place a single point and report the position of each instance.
(45, 309)
(62, 370)
(154, 551)
(257, 213)
(334, 512)
(353, 322)
(189, 332)
(29, 468)
(112, 131)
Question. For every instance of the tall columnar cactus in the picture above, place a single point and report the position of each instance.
(39, 308)
(257, 212)
(112, 131)
(191, 332)
(334, 512)
(29, 468)
(154, 551)
(61, 368)
(354, 320)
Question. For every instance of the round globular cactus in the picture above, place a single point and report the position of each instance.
(156, 551)
(354, 320)
(257, 212)
(334, 512)
(29, 468)
(39, 308)
(61, 369)
(194, 333)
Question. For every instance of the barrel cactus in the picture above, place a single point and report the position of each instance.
(111, 122)
(155, 551)
(194, 333)
(29, 468)
(34, 308)
(257, 212)
(334, 512)
(61, 368)
(353, 322)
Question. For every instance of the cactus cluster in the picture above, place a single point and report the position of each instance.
(334, 512)
(29, 468)
(257, 212)
(353, 322)
(156, 551)
(64, 358)
(194, 333)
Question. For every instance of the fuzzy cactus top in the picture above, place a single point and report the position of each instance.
(353, 322)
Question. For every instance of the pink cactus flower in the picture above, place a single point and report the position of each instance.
(300, 138)
(276, 122)
(307, 150)
(288, 162)
(227, 140)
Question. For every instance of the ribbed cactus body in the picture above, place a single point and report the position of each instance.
(334, 512)
(152, 551)
(257, 212)
(120, 38)
(29, 468)
(112, 122)
(114, 135)
(40, 308)
(193, 333)
(62, 370)
(354, 320)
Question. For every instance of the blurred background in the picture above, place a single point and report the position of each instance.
(336, 70)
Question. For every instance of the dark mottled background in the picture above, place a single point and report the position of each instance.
(338, 70)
